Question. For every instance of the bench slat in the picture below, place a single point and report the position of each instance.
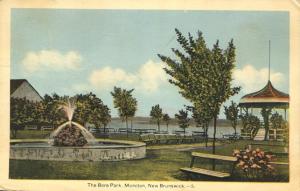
(212, 156)
(279, 163)
(206, 172)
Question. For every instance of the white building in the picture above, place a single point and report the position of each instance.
(21, 88)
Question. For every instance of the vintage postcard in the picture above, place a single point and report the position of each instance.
(149, 95)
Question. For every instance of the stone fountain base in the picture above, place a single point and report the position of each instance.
(105, 151)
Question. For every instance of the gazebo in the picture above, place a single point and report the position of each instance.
(267, 97)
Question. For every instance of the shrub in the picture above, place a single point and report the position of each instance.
(255, 164)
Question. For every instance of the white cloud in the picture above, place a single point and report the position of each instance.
(51, 60)
(151, 75)
(148, 78)
(108, 77)
(252, 79)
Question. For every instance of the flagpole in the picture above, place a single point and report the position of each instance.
(269, 60)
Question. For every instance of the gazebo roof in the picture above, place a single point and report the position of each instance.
(266, 97)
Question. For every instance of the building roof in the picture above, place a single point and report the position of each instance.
(16, 83)
(266, 97)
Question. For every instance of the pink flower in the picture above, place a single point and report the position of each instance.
(235, 151)
(241, 163)
(270, 167)
(257, 150)
(268, 156)
(255, 166)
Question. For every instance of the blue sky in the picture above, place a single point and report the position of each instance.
(78, 51)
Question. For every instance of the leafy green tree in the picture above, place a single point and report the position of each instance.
(250, 123)
(156, 114)
(91, 109)
(105, 116)
(24, 112)
(17, 115)
(232, 113)
(132, 107)
(202, 117)
(266, 112)
(125, 103)
(166, 119)
(183, 120)
(202, 75)
(277, 121)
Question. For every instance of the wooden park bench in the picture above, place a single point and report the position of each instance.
(231, 136)
(43, 128)
(124, 130)
(207, 172)
(31, 127)
(198, 135)
(187, 139)
(149, 138)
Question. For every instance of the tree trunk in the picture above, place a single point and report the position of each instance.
(267, 130)
(131, 124)
(206, 135)
(14, 133)
(214, 142)
(104, 131)
(214, 139)
(167, 127)
(126, 119)
(158, 126)
(235, 136)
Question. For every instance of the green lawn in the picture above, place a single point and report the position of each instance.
(162, 163)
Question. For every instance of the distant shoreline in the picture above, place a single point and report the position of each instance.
(173, 121)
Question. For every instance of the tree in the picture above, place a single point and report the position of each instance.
(166, 119)
(17, 115)
(277, 121)
(266, 112)
(91, 109)
(132, 107)
(250, 123)
(203, 76)
(125, 103)
(202, 117)
(183, 119)
(156, 114)
(231, 112)
(24, 112)
(105, 116)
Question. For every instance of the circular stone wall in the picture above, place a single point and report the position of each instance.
(112, 150)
